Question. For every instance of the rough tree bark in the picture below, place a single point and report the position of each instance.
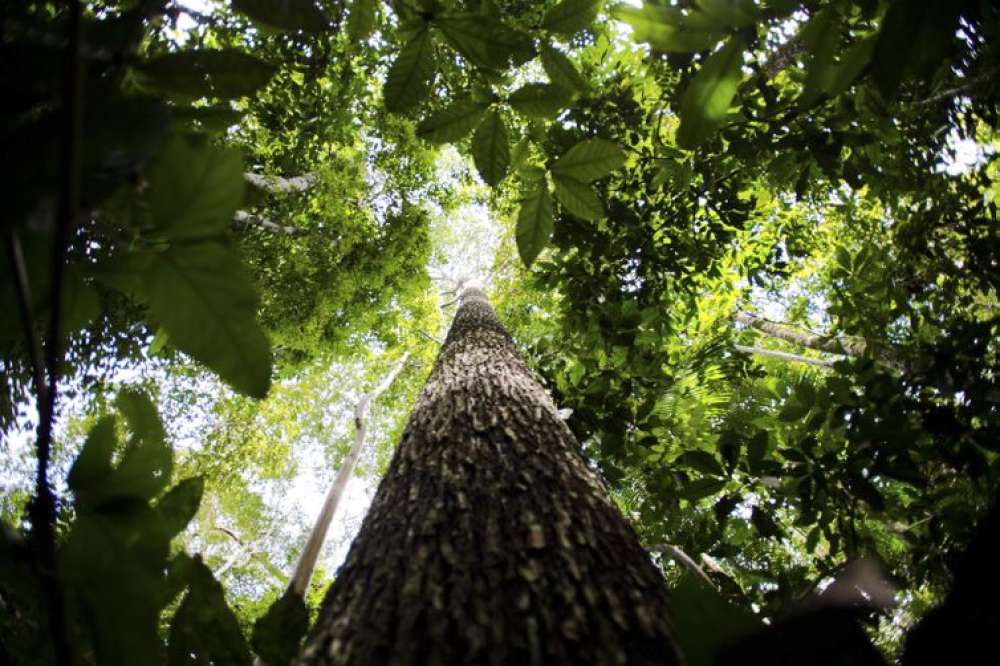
(489, 540)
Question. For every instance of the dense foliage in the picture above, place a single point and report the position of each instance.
(751, 246)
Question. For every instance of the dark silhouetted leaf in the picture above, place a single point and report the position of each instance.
(534, 221)
(570, 16)
(491, 149)
(451, 123)
(285, 14)
(540, 100)
(277, 635)
(225, 73)
(411, 74)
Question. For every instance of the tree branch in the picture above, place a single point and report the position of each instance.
(679, 555)
(783, 356)
(277, 184)
(299, 581)
(245, 220)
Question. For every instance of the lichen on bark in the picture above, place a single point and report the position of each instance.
(490, 541)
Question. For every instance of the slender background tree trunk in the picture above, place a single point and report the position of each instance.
(489, 540)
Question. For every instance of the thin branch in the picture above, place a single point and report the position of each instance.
(682, 557)
(278, 184)
(245, 220)
(299, 580)
(23, 290)
(986, 77)
(430, 337)
(784, 356)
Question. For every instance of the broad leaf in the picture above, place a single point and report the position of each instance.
(277, 635)
(361, 20)
(570, 16)
(731, 13)
(484, 41)
(914, 36)
(491, 149)
(194, 190)
(578, 198)
(451, 123)
(93, 465)
(285, 14)
(701, 488)
(204, 630)
(703, 461)
(208, 306)
(539, 100)
(410, 76)
(706, 101)
(705, 621)
(534, 222)
(561, 70)
(225, 73)
(176, 509)
(822, 37)
(663, 28)
(589, 160)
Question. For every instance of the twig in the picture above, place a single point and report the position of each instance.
(784, 356)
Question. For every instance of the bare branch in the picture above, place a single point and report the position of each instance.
(682, 557)
(279, 185)
(245, 220)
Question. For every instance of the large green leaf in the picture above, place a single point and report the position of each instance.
(194, 190)
(484, 41)
(570, 16)
(277, 635)
(534, 221)
(204, 630)
(361, 20)
(540, 100)
(410, 76)
(285, 14)
(451, 123)
(704, 621)
(207, 304)
(589, 160)
(663, 28)
(915, 36)
(731, 13)
(176, 509)
(578, 198)
(561, 70)
(491, 149)
(93, 465)
(225, 73)
(821, 36)
(706, 101)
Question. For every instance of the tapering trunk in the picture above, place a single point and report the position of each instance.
(489, 540)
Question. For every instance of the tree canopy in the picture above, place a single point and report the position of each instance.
(751, 247)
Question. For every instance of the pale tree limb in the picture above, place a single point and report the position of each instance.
(279, 185)
(680, 556)
(245, 220)
(784, 356)
(845, 345)
(299, 581)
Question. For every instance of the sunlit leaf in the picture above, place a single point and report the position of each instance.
(589, 160)
(361, 20)
(561, 70)
(578, 198)
(491, 149)
(410, 76)
(706, 101)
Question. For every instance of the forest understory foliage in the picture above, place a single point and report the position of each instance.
(750, 248)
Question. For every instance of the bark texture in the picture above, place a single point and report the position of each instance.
(489, 540)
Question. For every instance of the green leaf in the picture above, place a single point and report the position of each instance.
(141, 416)
(764, 523)
(792, 411)
(277, 635)
(147, 462)
(93, 465)
(561, 70)
(204, 630)
(285, 14)
(852, 64)
(176, 509)
(756, 450)
(578, 198)
(534, 222)
(491, 149)
(589, 160)
(212, 119)
(451, 123)
(706, 101)
(540, 100)
(821, 36)
(703, 461)
(202, 297)
(866, 491)
(225, 73)
(915, 36)
(700, 488)
(484, 41)
(361, 20)
(410, 76)
(705, 621)
(663, 29)
(194, 190)
(570, 16)
(731, 13)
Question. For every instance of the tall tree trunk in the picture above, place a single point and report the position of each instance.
(489, 540)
